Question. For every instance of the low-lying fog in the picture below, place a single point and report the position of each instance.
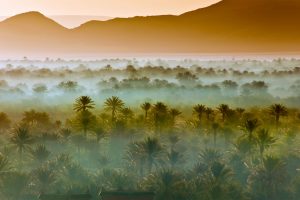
(239, 82)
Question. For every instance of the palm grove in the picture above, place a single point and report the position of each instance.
(193, 154)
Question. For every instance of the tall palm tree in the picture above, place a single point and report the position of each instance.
(219, 181)
(215, 127)
(199, 110)
(22, 139)
(146, 107)
(278, 110)
(264, 140)
(153, 152)
(160, 111)
(113, 104)
(249, 127)
(208, 112)
(224, 110)
(174, 113)
(45, 177)
(40, 153)
(127, 114)
(83, 103)
(220, 172)
(269, 180)
(85, 121)
(175, 158)
(100, 133)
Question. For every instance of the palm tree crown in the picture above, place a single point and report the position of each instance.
(278, 110)
(83, 103)
(146, 107)
(152, 151)
(199, 110)
(264, 140)
(250, 126)
(21, 139)
(114, 104)
(224, 110)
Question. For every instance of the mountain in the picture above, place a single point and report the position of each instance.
(229, 26)
(72, 21)
(31, 33)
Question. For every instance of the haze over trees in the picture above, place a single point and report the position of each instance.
(185, 132)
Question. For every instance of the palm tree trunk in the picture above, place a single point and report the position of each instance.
(200, 120)
(277, 121)
(150, 164)
(113, 116)
(21, 157)
(215, 138)
(85, 131)
(261, 153)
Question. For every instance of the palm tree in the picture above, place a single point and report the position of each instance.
(220, 172)
(249, 127)
(208, 112)
(113, 104)
(199, 110)
(278, 110)
(175, 158)
(264, 140)
(218, 185)
(215, 127)
(83, 103)
(209, 156)
(127, 114)
(153, 151)
(160, 115)
(65, 133)
(40, 153)
(224, 110)
(45, 177)
(269, 180)
(85, 121)
(21, 138)
(146, 107)
(100, 133)
(174, 113)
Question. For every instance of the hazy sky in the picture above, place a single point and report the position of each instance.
(113, 8)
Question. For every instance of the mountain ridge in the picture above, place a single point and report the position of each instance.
(227, 26)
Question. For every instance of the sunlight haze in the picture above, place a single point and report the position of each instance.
(112, 8)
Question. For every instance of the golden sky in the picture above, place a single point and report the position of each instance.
(113, 8)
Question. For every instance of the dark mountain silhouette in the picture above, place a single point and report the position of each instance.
(226, 27)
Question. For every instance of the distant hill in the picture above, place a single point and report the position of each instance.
(226, 27)
(71, 21)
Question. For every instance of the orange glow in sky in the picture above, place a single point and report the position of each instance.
(113, 8)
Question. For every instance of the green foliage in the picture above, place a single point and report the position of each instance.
(194, 152)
